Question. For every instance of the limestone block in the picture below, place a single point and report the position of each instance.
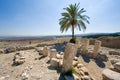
(45, 51)
(117, 66)
(54, 62)
(53, 53)
(96, 48)
(79, 65)
(68, 57)
(58, 56)
(39, 49)
(60, 64)
(114, 60)
(108, 74)
(76, 58)
(85, 45)
(61, 53)
(75, 63)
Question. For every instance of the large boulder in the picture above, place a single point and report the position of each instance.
(108, 74)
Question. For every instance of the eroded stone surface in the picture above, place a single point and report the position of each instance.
(68, 57)
(110, 75)
(96, 48)
(54, 62)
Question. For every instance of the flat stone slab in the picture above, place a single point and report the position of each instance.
(110, 75)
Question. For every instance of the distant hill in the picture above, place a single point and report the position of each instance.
(97, 35)
(88, 35)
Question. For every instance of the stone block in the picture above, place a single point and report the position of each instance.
(108, 74)
(54, 62)
(69, 55)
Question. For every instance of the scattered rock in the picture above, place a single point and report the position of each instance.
(58, 56)
(79, 65)
(85, 70)
(1, 51)
(61, 53)
(114, 60)
(24, 76)
(110, 75)
(54, 62)
(75, 63)
(85, 77)
(10, 49)
(76, 58)
(114, 53)
(5, 77)
(19, 58)
(102, 56)
(20, 48)
(39, 49)
(117, 66)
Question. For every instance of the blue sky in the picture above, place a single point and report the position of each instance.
(41, 17)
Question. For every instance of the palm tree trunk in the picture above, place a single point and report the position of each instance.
(72, 32)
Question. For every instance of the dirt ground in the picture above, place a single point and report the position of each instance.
(40, 67)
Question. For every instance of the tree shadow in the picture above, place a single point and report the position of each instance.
(41, 57)
(85, 58)
(58, 70)
(99, 63)
(48, 62)
(61, 77)
(60, 47)
(66, 77)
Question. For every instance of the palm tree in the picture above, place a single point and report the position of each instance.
(73, 18)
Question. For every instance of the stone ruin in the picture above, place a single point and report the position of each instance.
(84, 49)
(114, 69)
(67, 60)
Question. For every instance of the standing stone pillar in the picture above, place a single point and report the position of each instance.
(45, 51)
(96, 48)
(53, 53)
(85, 45)
(68, 57)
